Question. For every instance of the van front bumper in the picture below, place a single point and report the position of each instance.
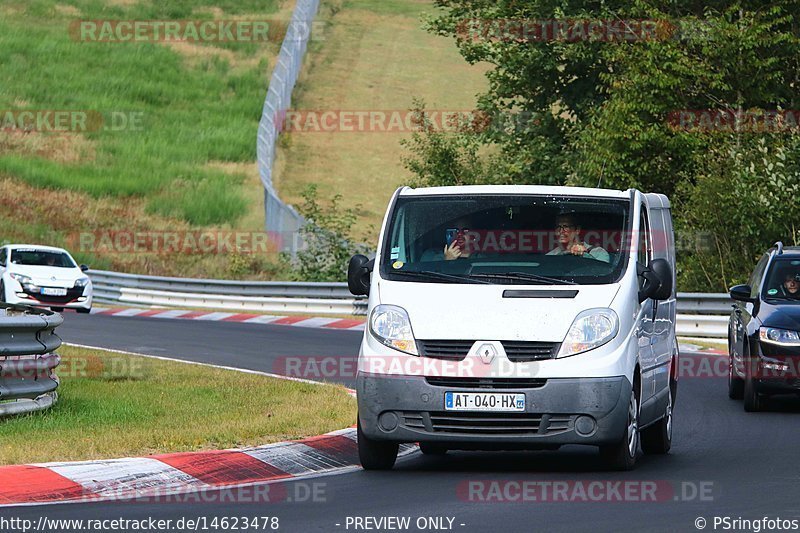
(558, 411)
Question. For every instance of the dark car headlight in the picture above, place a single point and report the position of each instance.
(780, 337)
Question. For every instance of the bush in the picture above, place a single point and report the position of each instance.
(328, 238)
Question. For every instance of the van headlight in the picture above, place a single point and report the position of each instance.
(590, 329)
(781, 337)
(391, 326)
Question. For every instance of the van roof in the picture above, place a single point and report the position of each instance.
(515, 189)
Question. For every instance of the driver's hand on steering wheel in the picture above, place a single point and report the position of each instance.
(578, 249)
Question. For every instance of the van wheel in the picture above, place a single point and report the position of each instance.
(375, 454)
(735, 383)
(429, 448)
(657, 439)
(622, 455)
(753, 400)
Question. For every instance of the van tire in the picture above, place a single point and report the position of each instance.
(622, 455)
(430, 448)
(657, 439)
(375, 454)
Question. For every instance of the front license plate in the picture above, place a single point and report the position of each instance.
(505, 402)
(49, 291)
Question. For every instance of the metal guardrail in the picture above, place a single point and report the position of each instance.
(265, 296)
(699, 315)
(27, 358)
(703, 315)
(282, 221)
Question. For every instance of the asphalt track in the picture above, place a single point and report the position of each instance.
(724, 462)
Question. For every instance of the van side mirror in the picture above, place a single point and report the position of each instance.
(741, 293)
(657, 280)
(358, 274)
(84, 268)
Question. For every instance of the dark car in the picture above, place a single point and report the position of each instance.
(764, 330)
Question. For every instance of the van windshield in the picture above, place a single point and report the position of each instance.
(507, 239)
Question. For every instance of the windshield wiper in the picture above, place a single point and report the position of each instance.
(524, 276)
(439, 276)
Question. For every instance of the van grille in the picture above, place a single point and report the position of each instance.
(525, 351)
(447, 350)
(517, 351)
(487, 423)
(486, 383)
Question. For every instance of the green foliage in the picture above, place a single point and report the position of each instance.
(746, 198)
(328, 237)
(442, 158)
(595, 113)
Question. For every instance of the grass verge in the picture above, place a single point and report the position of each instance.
(114, 405)
(376, 56)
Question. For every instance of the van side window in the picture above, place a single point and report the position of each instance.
(758, 274)
(645, 241)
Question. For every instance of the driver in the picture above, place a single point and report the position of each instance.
(791, 284)
(568, 234)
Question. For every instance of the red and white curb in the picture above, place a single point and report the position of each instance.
(354, 324)
(171, 475)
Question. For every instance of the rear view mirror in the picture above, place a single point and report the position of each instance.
(657, 280)
(358, 275)
(84, 268)
(741, 293)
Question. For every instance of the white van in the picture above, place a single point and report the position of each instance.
(518, 317)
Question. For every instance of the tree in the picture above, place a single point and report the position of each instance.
(599, 112)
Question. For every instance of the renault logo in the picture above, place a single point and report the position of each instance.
(486, 352)
(52, 278)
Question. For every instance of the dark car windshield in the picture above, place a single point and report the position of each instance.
(783, 280)
(507, 239)
(41, 258)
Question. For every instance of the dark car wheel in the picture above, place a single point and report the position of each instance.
(622, 455)
(429, 448)
(735, 383)
(84, 310)
(375, 454)
(2, 292)
(657, 439)
(753, 400)
(57, 309)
